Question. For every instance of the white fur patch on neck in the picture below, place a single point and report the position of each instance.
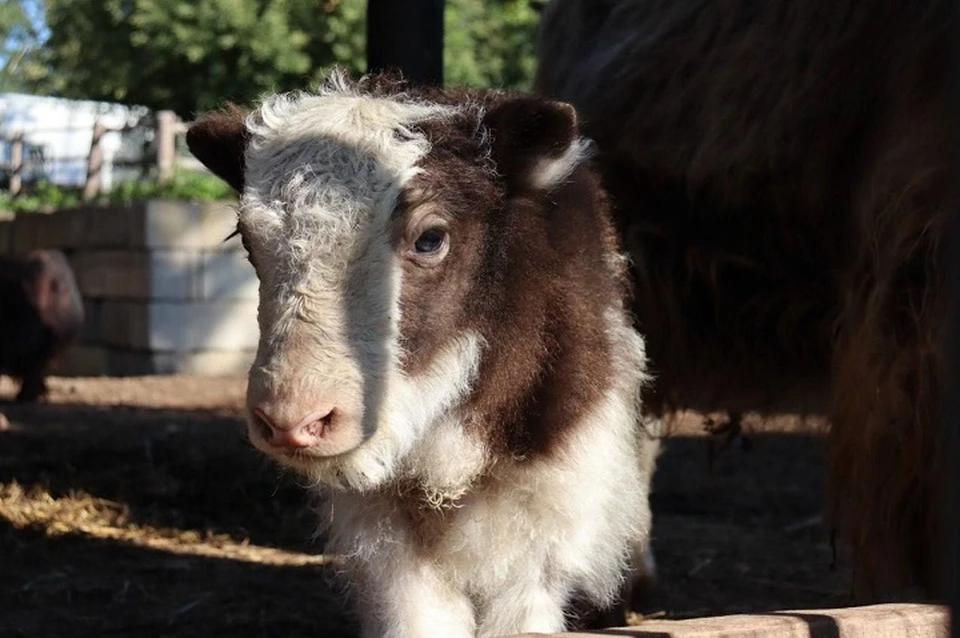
(551, 171)
(420, 422)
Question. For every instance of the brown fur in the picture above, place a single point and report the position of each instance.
(220, 142)
(547, 358)
(41, 315)
(530, 270)
(780, 176)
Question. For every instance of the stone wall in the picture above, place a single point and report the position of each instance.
(163, 294)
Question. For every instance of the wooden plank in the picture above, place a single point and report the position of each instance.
(875, 621)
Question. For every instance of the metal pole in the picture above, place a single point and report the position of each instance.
(951, 420)
(406, 36)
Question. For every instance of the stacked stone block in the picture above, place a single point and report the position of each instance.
(162, 291)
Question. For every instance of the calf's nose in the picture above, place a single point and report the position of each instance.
(309, 431)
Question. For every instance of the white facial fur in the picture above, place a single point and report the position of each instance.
(323, 173)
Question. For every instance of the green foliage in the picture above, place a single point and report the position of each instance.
(490, 43)
(184, 186)
(21, 55)
(191, 56)
(185, 56)
(41, 198)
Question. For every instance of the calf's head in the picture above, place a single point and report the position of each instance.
(374, 218)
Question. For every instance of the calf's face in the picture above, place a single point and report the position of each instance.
(370, 221)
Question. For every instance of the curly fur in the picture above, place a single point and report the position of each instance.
(490, 467)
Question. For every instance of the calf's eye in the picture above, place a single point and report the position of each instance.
(430, 241)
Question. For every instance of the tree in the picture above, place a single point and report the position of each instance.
(21, 34)
(490, 43)
(191, 56)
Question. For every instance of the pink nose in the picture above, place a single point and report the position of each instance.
(307, 432)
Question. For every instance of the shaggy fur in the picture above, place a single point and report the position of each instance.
(780, 172)
(41, 314)
(482, 455)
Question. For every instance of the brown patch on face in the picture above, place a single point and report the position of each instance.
(549, 355)
(528, 270)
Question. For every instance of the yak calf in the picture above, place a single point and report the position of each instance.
(445, 348)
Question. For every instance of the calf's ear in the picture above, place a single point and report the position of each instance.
(535, 141)
(219, 141)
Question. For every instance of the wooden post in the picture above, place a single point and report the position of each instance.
(167, 122)
(94, 162)
(406, 36)
(16, 163)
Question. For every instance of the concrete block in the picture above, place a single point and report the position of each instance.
(126, 363)
(91, 321)
(139, 275)
(108, 226)
(118, 362)
(25, 233)
(124, 324)
(6, 236)
(175, 274)
(226, 274)
(83, 361)
(166, 326)
(50, 231)
(204, 362)
(174, 224)
(113, 273)
(203, 325)
(67, 228)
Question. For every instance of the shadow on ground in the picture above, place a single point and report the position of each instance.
(747, 537)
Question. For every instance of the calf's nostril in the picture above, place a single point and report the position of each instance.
(308, 431)
(263, 423)
(317, 426)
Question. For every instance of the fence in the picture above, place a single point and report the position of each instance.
(148, 148)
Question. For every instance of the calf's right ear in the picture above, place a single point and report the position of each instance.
(535, 141)
(219, 141)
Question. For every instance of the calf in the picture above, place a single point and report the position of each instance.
(444, 347)
(41, 314)
(782, 177)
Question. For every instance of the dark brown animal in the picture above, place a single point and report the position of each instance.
(445, 348)
(781, 172)
(41, 314)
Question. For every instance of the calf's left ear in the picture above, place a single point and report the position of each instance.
(219, 141)
(535, 141)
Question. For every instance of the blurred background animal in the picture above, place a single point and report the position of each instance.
(781, 176)
(41, 315)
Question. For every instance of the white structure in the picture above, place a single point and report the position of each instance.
(58, 132)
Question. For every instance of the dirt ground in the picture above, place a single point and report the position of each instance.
(135, 507)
